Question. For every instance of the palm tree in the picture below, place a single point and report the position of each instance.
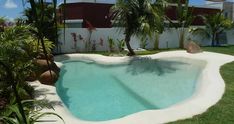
(137, 17)
(214, 25)
(184, 20)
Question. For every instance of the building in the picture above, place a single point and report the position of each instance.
(226, 6)
(80, 13)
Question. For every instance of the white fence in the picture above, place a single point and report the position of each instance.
(76, 39)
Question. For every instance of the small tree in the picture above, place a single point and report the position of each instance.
(184, 20)
(137, 17)
(215, 24)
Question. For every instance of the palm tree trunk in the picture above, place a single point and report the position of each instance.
(55, 23)
(181, 39)
(64, 19)
(127, 40)
(156, 43)
(213, 39)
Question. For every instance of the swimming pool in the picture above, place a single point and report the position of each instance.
(100, 92)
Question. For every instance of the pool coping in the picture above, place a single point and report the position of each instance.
(210, 90)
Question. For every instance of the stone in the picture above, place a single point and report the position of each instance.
(42, 56)
(192, 47)
(46, 78)
(42, 62)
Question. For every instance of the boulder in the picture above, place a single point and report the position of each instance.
(192, 47)
(42, 56)
(41, 62)
(46, 78)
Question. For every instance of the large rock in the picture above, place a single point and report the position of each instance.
(42, 56)
(42, 62)
(43, 66)
(192, 47)
(46, 78)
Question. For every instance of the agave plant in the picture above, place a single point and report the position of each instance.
(121, 45)
(111, 43)
(215, 24)
(137, 17)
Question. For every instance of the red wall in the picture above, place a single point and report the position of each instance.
(171, 13)
(98, 14)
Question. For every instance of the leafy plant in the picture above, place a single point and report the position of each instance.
(137, 17)
(32, 109)
(143, 42)
(214, 25)
(111, 43)
(121, 45)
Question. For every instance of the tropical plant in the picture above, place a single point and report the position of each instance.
(121, 45)
(184, 20)
(137, 17)
(16, 64)
(90, 29)
(111, 43)
(48, 23)
(16, 61)
(143, 42)
(32, 110)
(215, 24)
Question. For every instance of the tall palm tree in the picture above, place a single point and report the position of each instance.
(137, 17)
(184, 20)
(214, 25)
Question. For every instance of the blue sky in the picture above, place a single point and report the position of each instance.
(13, 8)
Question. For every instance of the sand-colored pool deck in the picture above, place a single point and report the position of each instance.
(209, 91)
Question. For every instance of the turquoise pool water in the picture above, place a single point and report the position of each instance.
(96, 92)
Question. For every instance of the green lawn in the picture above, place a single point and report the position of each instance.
(225, 50)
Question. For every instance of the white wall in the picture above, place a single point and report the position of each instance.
(168, 39)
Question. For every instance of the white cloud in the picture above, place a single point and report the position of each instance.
(10, 4)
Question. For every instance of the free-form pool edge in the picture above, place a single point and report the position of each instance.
(210, 90)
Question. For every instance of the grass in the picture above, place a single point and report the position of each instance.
(225, 50)
(223, 111)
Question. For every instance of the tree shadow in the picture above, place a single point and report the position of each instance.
(61, 90)
(139, 65)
